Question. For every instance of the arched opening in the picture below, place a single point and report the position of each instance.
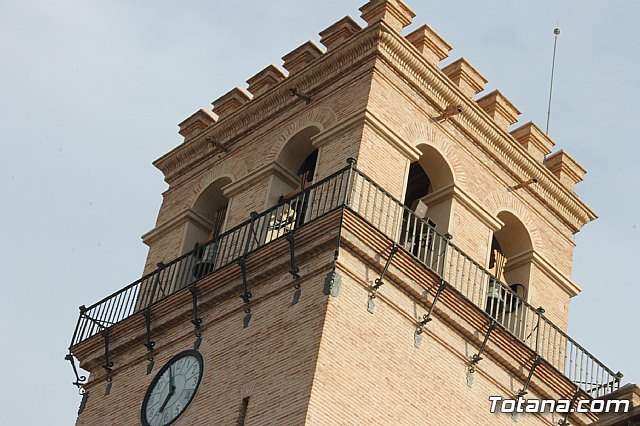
(429, 196)
(207, 216)
(295, 166)
(509, 262)
(511, 249)
(428, 188)
(293, 172)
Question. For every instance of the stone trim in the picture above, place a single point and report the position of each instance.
(478, 210)
(197, 122)
(503, 112)
(395, 13)
(430, 44)
(419, 133)
(534, 140)
(253, 114)
(268, 170)
(565, 168)
(406, 60)
(565, 283)
(395, 140)
(230, 101)
(338, 32)
(345, 125)
(265, 79)
(301, 56)
(250, 178)
(499, 201)
(466, 77)
(181, 218)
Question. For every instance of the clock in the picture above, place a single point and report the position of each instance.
(172, 390)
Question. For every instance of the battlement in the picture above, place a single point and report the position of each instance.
(394, 15)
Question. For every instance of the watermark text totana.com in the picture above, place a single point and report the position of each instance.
(522, 405)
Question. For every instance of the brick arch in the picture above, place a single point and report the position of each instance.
(499, 201)
(233, 169)
(322, 118)
(417, 133)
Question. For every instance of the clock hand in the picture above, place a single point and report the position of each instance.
(172, 389)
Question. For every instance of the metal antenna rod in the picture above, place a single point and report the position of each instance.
(556, 32)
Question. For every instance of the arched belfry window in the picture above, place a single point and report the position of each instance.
(429, 189)
(418, 186)
(307, 170)
(295, 167)
(428, 198)
(510, 261)
(206, 218)
(511, 251)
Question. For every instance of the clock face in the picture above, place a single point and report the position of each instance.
(172, 389)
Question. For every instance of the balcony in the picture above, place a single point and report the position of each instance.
(465, 284)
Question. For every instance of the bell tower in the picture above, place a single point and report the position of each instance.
(360, 236)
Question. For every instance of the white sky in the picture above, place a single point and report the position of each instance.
(91, 93)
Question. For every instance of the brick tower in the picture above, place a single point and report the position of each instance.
(357, 240)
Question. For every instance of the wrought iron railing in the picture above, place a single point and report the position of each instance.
(317, 200)
(352, 189)
(528, 324)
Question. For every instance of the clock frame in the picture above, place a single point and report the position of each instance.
(172, 389)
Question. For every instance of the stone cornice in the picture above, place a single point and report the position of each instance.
(564, 282)
(252, 177)
(476, 209)
(460, 196)
(180, 219)
(256, 112)
(343, 126)
(412, 153)
(439, 195)
(474, 122)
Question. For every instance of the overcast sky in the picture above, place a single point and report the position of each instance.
(91, 93)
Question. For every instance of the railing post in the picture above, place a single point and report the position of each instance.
(157, 285)
(617, 379)
(250, 233)
(538, 312)
(352, 164)
(447, 239)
